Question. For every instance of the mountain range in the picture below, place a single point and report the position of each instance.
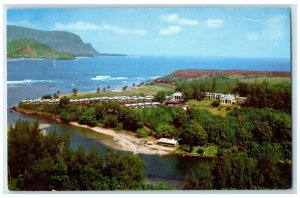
(59, 41)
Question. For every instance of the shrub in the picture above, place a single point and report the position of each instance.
(220, 152)
(47, 97)
(228, 108)
(215, 103)
(227, 145)
(200, 151)
(64, 101)
(119, 127)
(110, 121)
(142, 132)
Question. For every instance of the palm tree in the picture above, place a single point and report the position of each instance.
(74, 91)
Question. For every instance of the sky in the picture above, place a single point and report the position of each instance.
(214, 32)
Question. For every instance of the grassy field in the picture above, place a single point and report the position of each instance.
(205, 104)
(137, 91)
(271, 80)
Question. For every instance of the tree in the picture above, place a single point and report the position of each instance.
(193, 134)
(108, 87)
(74, 91)
(165, 130)
(47, 97)
(215, 103)
(110, 121)
(55, 96)
(124, 88)
(202, 181)
(160, 96)
(127, 171)
(104, 89)
(98, 90)
(24, 147)
(213, 86)
(64, 101)
(142, 132)
(88, 117)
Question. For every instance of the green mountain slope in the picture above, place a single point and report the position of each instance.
(29, 48)
(58, 40)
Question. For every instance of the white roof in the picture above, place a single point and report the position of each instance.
(177, 94)
(168, 141)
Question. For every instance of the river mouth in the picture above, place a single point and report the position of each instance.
(162, 167)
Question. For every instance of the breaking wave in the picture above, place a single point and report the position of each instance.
(154, 77)
(26, 81)
(109, 78)
(101, 78)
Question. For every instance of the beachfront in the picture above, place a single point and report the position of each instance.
(130, 143)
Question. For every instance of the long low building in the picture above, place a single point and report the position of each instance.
(142, 105)
(123, 99)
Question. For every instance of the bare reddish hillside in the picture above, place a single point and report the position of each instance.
(185, 74)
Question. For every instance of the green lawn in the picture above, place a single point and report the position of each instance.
(205, 104)
(146, 90)
(271, 80)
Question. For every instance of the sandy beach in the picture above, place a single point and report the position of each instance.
(130, 143)
(44, 126)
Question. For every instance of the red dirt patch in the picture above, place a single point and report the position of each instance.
(185, 74)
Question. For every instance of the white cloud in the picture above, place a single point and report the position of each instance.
(120, 30)
(176, 19)
(170, 30)
(170, 17)
(213, 23)
(275, 27)
(23, 23)
(79, 25)
(252, 36)
(187, 22)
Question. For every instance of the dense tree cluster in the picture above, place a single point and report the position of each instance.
(163, 121)
(241, 172)
(37, 161)
(195, 89)
(261, 95)
(260, 132)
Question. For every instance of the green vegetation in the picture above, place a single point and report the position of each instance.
(74, 91)
(46, 162)
(239, 171)
(270, 80)
(145, 89)
(142, 133)
(60, 41)
(205, 104)
(215, 103)
(261, 95)
(251, 142)
(193, 89)
(25, 48)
